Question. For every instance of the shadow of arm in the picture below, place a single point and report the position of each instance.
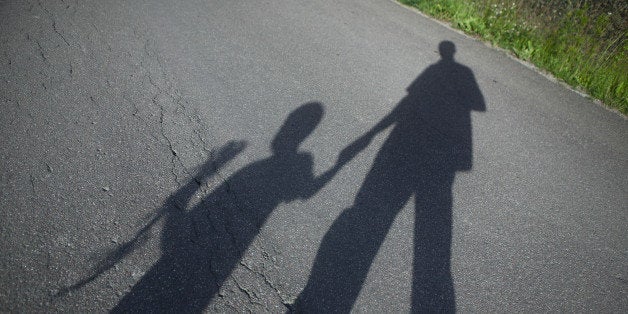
(349, 152)
(177, 200)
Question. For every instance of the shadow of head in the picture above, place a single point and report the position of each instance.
(297, 127)
(447, 49)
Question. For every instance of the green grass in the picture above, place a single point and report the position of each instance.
(579, 41)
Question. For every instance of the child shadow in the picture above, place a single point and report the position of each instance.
(202, 245)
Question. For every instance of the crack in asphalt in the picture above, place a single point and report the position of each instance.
(54, 27)
(252, 296)
(31, 180)
(267, 281)
(41, 52)
(52, 18)
(170, 103)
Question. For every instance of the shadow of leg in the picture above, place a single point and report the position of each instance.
(432, 285)
(349, 247)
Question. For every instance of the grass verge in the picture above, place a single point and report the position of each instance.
(581, 42)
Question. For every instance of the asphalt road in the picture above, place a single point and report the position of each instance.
(268, 156)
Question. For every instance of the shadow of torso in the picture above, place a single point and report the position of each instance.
(433, 122)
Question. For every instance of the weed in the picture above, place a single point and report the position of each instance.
(581, 42)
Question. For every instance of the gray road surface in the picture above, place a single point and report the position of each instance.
(148, 161)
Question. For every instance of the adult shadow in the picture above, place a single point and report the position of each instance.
(202, 245)
(430, 141)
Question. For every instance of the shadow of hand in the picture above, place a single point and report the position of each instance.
(220, 157)
(353, 149)
(228, 151)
